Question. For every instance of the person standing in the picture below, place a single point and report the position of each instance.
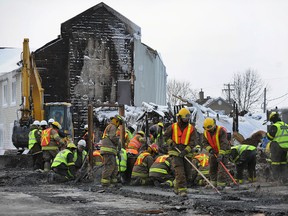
(278, 134)
(51, 142)
(215, 142)
(109, 150)
(34, 145)
(181, 135)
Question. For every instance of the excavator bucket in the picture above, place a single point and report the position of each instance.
(20, 136)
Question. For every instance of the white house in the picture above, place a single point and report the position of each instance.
(10, 94)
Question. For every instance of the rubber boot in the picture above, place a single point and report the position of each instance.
(47, 166)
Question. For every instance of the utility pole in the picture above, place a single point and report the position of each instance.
(229, 89)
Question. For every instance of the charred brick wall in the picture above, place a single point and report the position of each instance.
(95, 50)
(51, 61)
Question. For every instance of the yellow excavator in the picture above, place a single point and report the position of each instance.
(32, 105)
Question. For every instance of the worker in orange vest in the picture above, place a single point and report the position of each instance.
(182, 136)
(215, 142)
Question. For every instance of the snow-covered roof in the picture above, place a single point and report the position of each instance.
(9, 57)
(248, 124)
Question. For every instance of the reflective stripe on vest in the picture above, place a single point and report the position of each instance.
(161, 159)
(61, 157)
(32, 138)
(134, 145)
(158, 170)
(214, 140)
(281, 136)
(180, 137)
(240, 149)
(123, 161)
(203, 159)
(45, 137)
(140, 159)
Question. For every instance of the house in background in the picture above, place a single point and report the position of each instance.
(97, 51)
(219, 105)
(10, 94)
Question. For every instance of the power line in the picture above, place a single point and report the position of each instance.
(278, 97)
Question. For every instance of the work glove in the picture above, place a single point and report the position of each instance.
(182, 153)
(220, 157)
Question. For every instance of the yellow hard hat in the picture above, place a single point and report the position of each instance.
(141, 133)
(209, 123)
(55, 123)
(71, 145)
(274, 116)
(161, 124)
(183, 113)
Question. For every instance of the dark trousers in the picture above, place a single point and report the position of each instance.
(183, 172)
(250, 164)
(278, 161)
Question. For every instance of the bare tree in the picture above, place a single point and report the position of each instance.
(179, 88)
(248, 89)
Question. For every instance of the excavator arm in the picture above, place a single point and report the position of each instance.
(32, 91)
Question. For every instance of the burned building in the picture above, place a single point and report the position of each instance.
(97, 50)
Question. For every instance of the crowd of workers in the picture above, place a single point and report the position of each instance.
(171, 157)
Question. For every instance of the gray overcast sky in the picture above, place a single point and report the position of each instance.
(203, 42)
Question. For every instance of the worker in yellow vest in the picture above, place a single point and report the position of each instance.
(63, 165)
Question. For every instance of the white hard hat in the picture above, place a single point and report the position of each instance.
(86, 126)
(36, 122)
(82, 142)
(43, 123)
(51, 120)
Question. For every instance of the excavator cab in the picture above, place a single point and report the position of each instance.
(61, 112)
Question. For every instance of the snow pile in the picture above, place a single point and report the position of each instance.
(248, 124)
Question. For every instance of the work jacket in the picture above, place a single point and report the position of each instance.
(142, 165)
(216, 140)
(110, 140)
(64, 159)
(97, 158)
(135, 144)
(79, 158)
(281, 136)
(34, 138)
(182, 136)
(161, 167)
(123, 160)
(240, 152)
(50, 139)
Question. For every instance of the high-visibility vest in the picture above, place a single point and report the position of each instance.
(61, 157)
(45, 137)
(180, 137)
(75, 156)
(281, 136)
(123, 161)
(203, 159)
(32, 138)
(140, 159)
(214, 140)
(240, 149)
(134, 145)
(155, 168)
